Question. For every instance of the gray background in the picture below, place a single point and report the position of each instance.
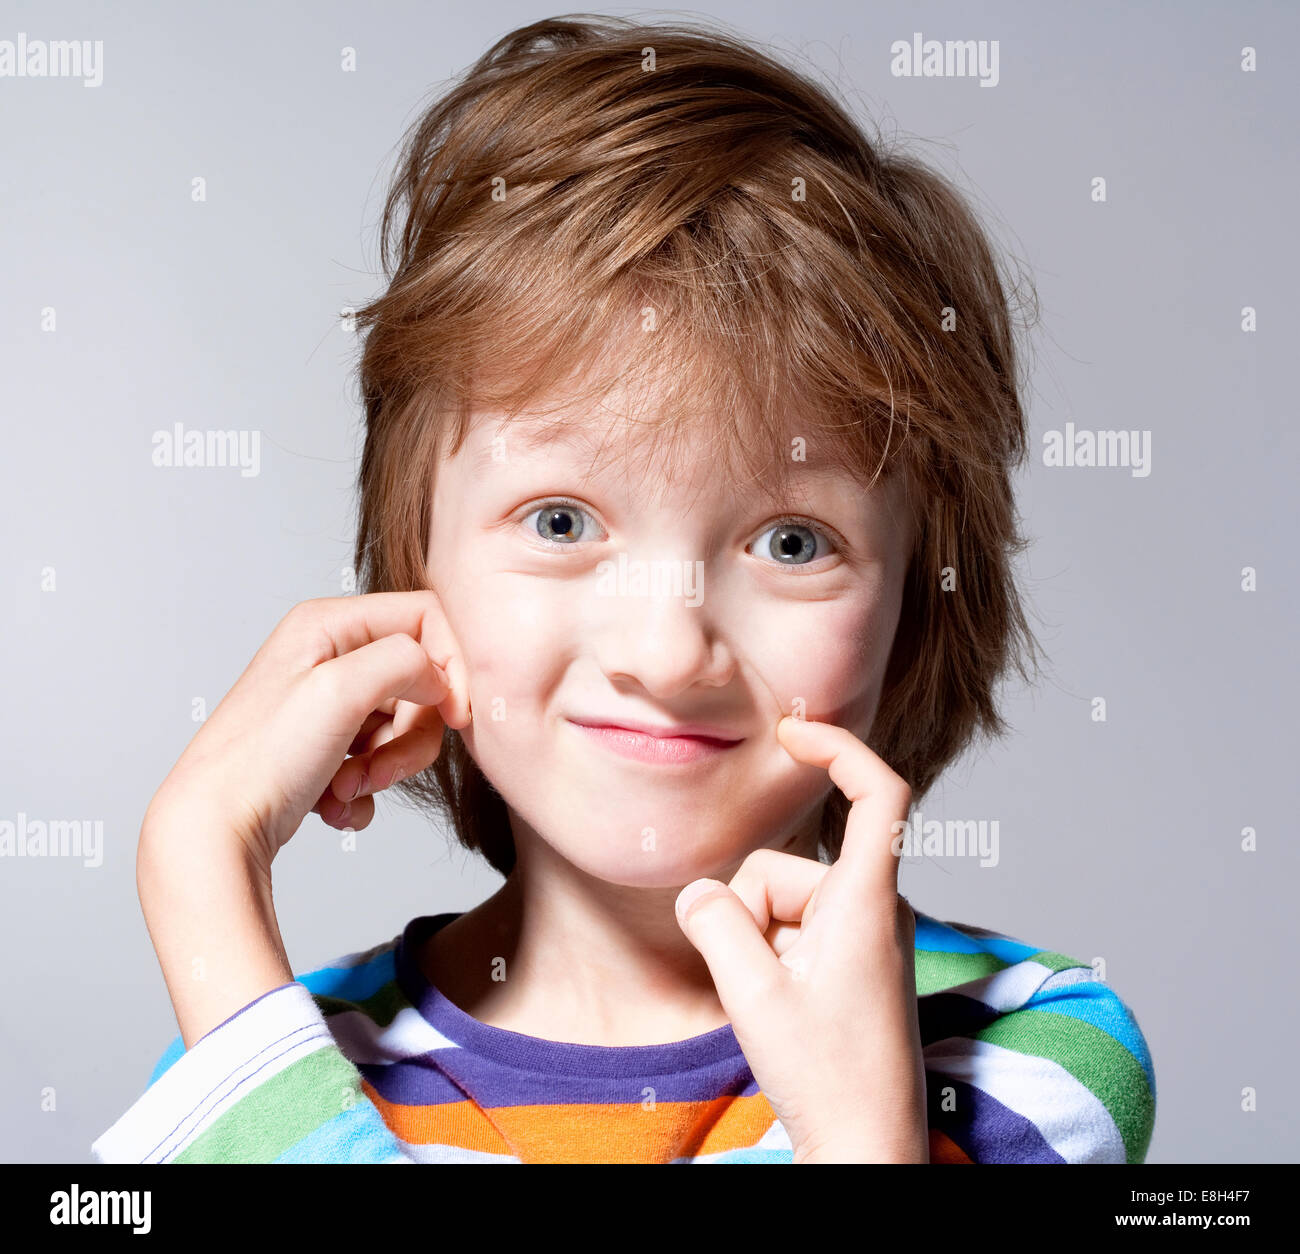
(1118, 840)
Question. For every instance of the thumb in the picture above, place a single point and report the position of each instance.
(745, 970)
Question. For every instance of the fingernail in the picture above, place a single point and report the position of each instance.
(693, 891)
(356, 788)
(363, 785)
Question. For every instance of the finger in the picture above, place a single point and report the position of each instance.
(329, 807)
(359, 814)
(341, 694)
(880, 799)
(365, 737)
(408, 753)
(395, 759)
(777, 888)
(406, 716)
(345, 625)
(398, 720)
(721, 927)
(356, 814)
(349, 779)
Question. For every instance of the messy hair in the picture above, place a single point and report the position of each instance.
(612, 202)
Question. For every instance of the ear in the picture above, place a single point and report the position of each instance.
(455, 711)
(445, 650)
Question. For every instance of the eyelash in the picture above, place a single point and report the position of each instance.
(551, 503)
(837, 542)
(787, 520)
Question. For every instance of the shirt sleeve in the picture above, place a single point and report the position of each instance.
(269, 1085)
(1064, 1077)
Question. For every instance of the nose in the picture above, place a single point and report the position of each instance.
(666, 640)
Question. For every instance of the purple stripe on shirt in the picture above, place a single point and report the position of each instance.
(452, 1075)
(942, 1015)
(987, 1130)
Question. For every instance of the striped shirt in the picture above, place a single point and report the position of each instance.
(1028, 1058)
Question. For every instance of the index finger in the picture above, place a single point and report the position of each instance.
(345, 624)
(880, 798)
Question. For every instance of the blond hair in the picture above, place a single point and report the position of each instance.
(589, 178)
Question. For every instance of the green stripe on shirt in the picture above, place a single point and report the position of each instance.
(279, 1112)
(936, 971)
(1095, 1058)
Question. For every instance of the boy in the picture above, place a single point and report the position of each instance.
(767, 539)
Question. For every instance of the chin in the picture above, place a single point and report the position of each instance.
(654, 871)
(651, 857)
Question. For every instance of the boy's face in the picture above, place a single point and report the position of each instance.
(657, 593)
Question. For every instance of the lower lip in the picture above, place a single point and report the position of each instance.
(665, 750)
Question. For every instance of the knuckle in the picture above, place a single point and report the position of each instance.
(749, 877)
(326, 685)
(387, 771)
(900, 791)
(758, 862)
(302, 614)
(765, 988)
(303, 623)
(409, 650)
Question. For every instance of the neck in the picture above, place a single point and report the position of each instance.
(584, 961)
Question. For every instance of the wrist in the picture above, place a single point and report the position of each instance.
(909, 1145)
(858, 1152)
(179, 841)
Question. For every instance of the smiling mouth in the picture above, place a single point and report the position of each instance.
(664, 750)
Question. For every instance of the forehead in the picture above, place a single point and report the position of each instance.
(649, 454)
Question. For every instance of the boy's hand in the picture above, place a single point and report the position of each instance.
(376, 676)
(365, 676)
(827, 1017)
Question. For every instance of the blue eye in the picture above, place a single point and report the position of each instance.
(560, 522)
(792, 544)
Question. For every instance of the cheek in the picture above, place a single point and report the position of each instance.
(829, 665)
(515, 643)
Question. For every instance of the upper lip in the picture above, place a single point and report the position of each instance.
(700, 730)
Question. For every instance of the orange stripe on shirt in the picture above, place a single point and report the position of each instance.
(943, 1149)
(622, 1133)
